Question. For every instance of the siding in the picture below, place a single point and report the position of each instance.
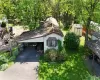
(51, 35)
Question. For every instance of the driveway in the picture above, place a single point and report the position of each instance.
(25, 67)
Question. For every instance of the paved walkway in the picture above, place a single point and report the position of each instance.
(25, 67)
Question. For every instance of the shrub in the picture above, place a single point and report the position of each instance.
(3, 24)
(3, 67)
(55, 55)
(50, 55)
(15, 51)
(6, 58)
(71, 41)
(62, 56)
(59, 46)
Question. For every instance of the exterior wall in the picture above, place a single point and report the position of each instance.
(77, 29)
(41, 39)
(44, 39)
(51, 35)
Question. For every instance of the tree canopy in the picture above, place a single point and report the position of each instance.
(31, 12)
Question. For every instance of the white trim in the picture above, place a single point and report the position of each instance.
(33, 40)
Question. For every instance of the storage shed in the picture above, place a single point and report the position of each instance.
(77, 29)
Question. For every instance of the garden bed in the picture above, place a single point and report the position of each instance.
(6, 59)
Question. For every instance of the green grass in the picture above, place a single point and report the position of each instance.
(72, 69)
(64, 31)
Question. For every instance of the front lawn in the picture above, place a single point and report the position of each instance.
(72, 69)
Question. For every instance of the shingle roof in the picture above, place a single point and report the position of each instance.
(43, 31)
(94, 45)
(96, 34)
(49, 26)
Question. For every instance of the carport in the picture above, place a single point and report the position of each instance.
(36, 43)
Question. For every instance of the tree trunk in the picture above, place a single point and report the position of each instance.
(86, 35)
(87, 29)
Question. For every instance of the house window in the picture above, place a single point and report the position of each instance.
(51, 42)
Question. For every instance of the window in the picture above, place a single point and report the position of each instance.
(51, 42)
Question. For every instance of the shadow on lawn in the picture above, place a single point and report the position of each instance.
(72, 69)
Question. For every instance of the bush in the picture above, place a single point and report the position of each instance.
(6, 58)
(71, 41)
(50, 55)
(59, 46)
(15, 51)
(3, 24)
(62, 56)
(55, 55)
(3, 67)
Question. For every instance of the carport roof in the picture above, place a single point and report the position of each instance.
(39, 32)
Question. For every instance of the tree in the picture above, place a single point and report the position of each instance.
(86, 12)
(31, 12)
(7, 9)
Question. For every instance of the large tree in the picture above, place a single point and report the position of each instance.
(85, 12)
(31, 12)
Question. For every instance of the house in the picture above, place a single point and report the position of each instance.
(95, 26)
(94, 44)
(45, 37)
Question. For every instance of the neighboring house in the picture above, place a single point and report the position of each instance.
(95, 26)
(94, 44)
(95, 36)
(47, 35)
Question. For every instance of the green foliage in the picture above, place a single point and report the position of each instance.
(3, 24)
(54, 55)
(31, 12)
(72, 69)
(8, 8)
(50, 55)
(4, 67)
(62, 55)
(90, 77)
(71, 41)
(60, 46)
(6, 59)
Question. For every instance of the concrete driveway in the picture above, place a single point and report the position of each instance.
(25, 67)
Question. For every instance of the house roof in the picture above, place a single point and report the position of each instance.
(39, 32)
(96, 34)
(94, 45)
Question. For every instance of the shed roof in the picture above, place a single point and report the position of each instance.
(77, 25)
